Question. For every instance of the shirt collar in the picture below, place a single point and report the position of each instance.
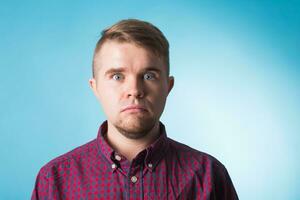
(151, 155)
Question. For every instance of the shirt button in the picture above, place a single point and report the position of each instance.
(134, 179)
(113, 166)
(118, 158)
(150, 165)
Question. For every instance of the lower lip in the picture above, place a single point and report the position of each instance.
(134, 110)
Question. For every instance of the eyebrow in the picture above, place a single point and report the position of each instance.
(114, 70)
(122, 69)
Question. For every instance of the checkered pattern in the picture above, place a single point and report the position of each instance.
(165, 170)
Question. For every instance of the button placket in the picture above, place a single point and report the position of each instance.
(133, 175)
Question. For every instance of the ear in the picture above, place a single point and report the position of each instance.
(170, 83)
(93, 86)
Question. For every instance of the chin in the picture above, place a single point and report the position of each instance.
(135, 127)
(137, 123)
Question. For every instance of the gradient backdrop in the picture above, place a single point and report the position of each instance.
(236, 96)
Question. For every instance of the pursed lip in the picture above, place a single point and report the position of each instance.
(134, 107)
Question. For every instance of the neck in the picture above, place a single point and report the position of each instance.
(130, 147)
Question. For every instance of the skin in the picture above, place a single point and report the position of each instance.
(132, 86)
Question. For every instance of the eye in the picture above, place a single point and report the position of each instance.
(149, 76)
(117, 77)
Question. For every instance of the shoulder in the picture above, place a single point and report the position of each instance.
(202, 167)
(76, 156)
(194, 154)
(194, 158)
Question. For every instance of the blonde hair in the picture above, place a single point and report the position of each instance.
(141, 33)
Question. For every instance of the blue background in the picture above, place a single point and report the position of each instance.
(236, 94)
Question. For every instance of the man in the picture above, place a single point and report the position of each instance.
(132, 157)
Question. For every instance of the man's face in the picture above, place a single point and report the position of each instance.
(132, 85)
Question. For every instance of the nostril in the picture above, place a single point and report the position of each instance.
(136, 94)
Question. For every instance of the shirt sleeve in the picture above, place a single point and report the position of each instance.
(223, 188)
(41, 187)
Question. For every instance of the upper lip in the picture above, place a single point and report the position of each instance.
(134, 107)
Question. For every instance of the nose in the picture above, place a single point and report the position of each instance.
(135, 88)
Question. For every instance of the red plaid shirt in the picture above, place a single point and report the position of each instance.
(165, 170)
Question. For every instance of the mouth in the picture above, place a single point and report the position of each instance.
(134, 108)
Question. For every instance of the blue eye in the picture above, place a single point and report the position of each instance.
(149, 76)
(117, 77)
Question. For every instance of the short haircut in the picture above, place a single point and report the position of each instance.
(141, 33)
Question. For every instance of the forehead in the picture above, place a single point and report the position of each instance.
(114, 54)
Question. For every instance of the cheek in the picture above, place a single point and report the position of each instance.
(110, 108)
(108, 99)
(158, 101)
